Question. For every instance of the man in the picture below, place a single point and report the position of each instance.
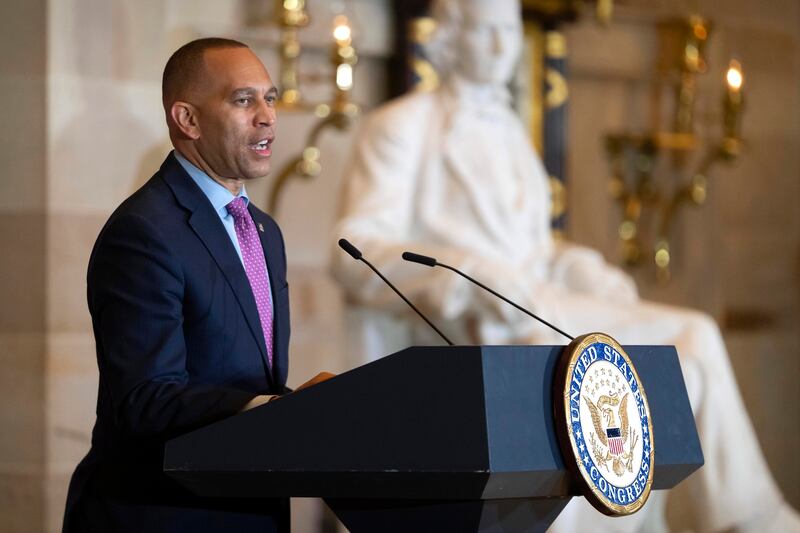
(189, 302)
(451, 174)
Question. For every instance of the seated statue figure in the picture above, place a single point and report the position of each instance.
(451, 174)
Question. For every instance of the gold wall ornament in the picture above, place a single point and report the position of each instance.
(428, 78)
(604, 11)
(638, 183)
(292, 16)
(558, 197)
(555, 44)
(420, 32)
(551, 10)
(545, 81)
(693, 62)
(557, 91)
(339, 113)
(533, 108)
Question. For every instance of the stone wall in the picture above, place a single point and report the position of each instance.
(23, 243)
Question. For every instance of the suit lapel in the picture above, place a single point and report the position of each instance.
(209, 229)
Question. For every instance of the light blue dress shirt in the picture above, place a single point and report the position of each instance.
(219, 197)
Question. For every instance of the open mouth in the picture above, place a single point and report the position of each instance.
(263, 147)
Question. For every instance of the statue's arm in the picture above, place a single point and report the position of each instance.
(583, 269)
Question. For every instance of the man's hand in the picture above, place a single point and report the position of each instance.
(266, 398)
(258, 400)
(319, 378)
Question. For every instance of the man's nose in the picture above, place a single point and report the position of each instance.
(266, 116)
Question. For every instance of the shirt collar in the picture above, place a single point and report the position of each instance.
(216, 193)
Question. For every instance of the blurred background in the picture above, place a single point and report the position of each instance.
(671, 130)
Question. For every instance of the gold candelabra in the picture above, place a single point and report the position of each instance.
(292, 16)
(633, 157)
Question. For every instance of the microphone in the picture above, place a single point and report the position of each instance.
(431, 262)
(355, 253)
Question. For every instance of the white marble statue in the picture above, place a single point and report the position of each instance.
(452, 174)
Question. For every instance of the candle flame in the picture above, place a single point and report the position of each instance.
(344, 77)
(734, 76)
(341, 32)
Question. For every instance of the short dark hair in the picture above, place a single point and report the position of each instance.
(184, 66)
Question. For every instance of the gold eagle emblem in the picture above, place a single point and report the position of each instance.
(605, 412)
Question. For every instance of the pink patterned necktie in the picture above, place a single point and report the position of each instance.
(254, 265)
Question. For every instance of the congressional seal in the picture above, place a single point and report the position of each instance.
(604, 426)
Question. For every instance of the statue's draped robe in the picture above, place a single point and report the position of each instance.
(451, 174)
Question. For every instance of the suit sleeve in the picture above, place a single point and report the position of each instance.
(136, 299)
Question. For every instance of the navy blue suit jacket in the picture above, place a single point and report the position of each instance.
(179, 345)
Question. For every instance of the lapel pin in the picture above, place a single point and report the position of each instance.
(261, 227)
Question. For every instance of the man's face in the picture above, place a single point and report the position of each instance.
(490, 40)
(236, 114)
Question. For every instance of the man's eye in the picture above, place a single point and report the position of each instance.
(271, 99)
(243, 101)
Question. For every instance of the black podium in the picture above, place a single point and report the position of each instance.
(455, 438)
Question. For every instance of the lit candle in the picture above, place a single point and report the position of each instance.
(734, 80)
(734, 77)
(344, 57)
(341, 31)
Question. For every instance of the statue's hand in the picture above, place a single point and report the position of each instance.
(600, 279)
(619, 285)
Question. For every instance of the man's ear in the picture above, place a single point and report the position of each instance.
(184, 116)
